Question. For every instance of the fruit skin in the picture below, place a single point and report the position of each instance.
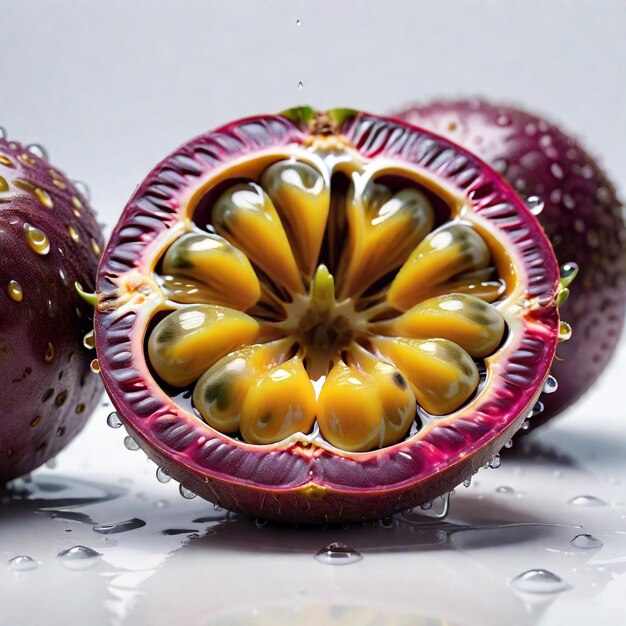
(582, 216)
(41, 336)
(301, 481)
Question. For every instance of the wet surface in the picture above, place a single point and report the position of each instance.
(541, 539)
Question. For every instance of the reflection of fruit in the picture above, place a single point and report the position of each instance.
(324, 316)
(581, 215)
(49, 239)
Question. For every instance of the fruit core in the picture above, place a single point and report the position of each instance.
(319, 295)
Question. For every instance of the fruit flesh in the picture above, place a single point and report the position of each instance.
(376, 344)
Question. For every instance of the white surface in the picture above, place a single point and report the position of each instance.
(109, 88)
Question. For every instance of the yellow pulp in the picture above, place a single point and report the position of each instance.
(347, 286)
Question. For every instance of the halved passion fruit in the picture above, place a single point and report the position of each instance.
(325, 316)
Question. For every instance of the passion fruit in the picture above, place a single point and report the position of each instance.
(333, 316)
(581, 214)
(49, 240)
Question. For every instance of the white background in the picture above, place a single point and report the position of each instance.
(110, 88)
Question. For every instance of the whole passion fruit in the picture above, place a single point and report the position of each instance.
(332, 316)
(49, 240)
(581, 215)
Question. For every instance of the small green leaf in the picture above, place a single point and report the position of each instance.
(299, 115)
(340, 115)
(91, 298)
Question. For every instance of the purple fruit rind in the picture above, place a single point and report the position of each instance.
(49, 390)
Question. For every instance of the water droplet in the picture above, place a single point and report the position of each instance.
(426, 506)
(260, 523)
(163, 475)
(495, 462)
(568, 273)
(38, 150)
(525, 425)
(37, 239)
(130, 443)
(113, 528)
(386, 522)
(535, 204)
(565, 331)
(467, 482)
(82, 189)
(217, 507)
(79, 557)
(23, 563)
(505, 489)
(44, 197)
(298, 22)
(586, 542)
(586, 501)
(89, 340)
(3, 133)
(509, 444)
(338, 553)
(550, 385)
(94, 366)
(52, 463)
(73, 233)
(503, 120)
(539, 581)
(556, 170)
(113, 420)
(15, 291)
(300, 85)
(537, 409)
(186, 493)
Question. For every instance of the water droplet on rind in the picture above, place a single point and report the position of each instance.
(130, 443)
(113, 420)
(15, 292)
(586, 501)
(114, 528)
(426, 506)
(260, 523)
(162, 475)
(82, 189)
(79, 557)
(38, 150)
(586, 542)
(551, 385)
(186, 493)
(37, 240)
(495, 462)
(23, 563)
(539, 581)
(338, 553)
(535, 204)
